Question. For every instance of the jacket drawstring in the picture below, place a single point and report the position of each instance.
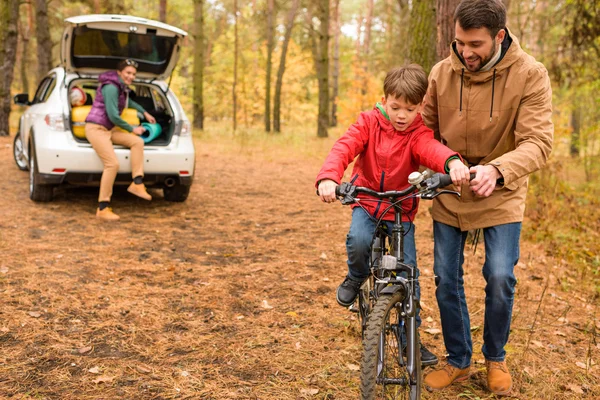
(493, 84)
(462, 75)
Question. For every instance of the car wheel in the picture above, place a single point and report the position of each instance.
(37, 192)
(177, 193)
(19, 153)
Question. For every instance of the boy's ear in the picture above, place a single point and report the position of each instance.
(383, 100)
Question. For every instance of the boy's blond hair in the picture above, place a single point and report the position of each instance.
(409, 83)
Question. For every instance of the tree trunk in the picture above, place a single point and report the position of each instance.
(445, 27)
(25, 30)
(575, 145)
(269, 67)
(366, 50)
(97, 8)
(323, 70)
(9, 32)
(235, 63)
(289, 25)
(44, 42)
(422, 34)
(336, 63)
(162, 11)
(198, 64)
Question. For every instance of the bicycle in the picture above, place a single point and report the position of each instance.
(387, 302)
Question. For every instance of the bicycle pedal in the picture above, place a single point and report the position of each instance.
(353, 308)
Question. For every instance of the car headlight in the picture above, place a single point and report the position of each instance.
(56, 122)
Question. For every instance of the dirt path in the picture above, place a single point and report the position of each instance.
(230, 295)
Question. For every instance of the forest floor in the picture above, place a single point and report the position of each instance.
(231, 294)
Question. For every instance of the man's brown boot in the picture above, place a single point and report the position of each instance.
(498, 378)
(106, 214)
(445, 376)
(139, 191)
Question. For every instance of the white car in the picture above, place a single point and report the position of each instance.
(50, 143)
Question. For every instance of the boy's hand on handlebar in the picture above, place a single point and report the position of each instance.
(139, 130)
(459, 172)
(485, 180)
(326, 191)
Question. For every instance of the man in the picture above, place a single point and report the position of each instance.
(490, 102)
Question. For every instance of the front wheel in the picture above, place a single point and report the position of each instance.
(19, 152)
(385, 371)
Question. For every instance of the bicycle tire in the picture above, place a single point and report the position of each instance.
(375, 371)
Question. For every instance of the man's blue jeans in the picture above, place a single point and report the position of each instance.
(501, 256)
(358, 246)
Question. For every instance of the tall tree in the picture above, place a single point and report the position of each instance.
(25, 32)
(422, 33)
(199, 64)
(320, 45)
(289, 25)
(162, 10)
(235, 63)
(445, 27)
(269, 66)
(44, 42)
(366, 48)
(9, 32)
(336, 62)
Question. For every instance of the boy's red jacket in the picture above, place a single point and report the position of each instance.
(385, 158)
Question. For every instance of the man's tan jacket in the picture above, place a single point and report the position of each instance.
(501, 117)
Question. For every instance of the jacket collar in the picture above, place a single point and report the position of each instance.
(386, 125)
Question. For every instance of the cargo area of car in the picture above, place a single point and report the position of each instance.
(149, 96)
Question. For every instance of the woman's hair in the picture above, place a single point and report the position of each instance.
(475, 14)
(409, 83)
(126, 63)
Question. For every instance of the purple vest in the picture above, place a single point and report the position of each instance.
(98, 114)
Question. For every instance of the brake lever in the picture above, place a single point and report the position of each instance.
(432, 194)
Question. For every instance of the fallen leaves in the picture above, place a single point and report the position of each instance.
(94, 370)
(353, 367)
(34, 314)
(84, 350)
(265, 304)
(103, 379)
(309, 391)
(432, 331)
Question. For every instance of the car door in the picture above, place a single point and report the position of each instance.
(37, 108)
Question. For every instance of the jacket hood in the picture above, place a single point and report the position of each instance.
(387, 126)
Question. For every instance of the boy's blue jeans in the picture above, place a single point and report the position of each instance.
(358, 246)
(501, 256)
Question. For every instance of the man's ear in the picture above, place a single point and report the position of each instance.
(500, 36)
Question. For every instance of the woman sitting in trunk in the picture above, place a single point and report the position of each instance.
(102, 131)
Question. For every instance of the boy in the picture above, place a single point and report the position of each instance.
(390, 141)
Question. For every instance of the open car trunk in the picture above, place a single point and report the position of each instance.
(149, 96)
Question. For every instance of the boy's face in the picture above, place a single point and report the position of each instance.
(401, 112)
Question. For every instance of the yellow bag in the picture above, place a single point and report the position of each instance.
(79, 114)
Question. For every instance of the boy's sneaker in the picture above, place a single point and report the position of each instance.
(427, 358)
(347, 292)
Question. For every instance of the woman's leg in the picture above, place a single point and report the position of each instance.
(100, 139)
(136, 144)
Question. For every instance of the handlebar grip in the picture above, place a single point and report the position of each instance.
(445, 180)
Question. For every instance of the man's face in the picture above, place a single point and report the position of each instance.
(476, 46)
(402, 113)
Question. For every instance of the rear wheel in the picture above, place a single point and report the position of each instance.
(19, 152)
(37, 192)
(177, 193)
(383, 372)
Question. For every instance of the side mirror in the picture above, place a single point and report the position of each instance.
(22, 99)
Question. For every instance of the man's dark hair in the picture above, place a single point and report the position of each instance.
(475, 14)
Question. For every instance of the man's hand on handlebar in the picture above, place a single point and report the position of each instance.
(485, 180)
(459, 172)
(326, 190)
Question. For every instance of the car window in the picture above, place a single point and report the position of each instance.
(50, 88)
(44, 90)
(158, 100)
(41, 90)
